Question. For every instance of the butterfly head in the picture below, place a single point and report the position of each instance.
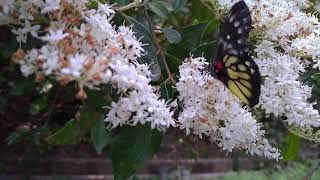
(216, 69)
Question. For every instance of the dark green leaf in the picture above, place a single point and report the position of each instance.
(191, 38)
(213, 29)
(90, 113)
(15, 137)
(7, 48)
(32, 136)
(38, 105)
(131, 148)
(156, 140)
(99, 136)
(159, 8)
(206, 50)
(66, 135)
(200, 11)
(179, 4)
(167, 90)
(22, 87)
(172, 35)
(156, 72)
(292, 147)
(173, 63)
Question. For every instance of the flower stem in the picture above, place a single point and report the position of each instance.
(134, 4)
(159, 49)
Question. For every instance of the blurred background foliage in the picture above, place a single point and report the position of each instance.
(40, 117)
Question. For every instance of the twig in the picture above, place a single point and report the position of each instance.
(210, 9)
(134, 4)
(215, 10)
(158, 47)
(296, 133)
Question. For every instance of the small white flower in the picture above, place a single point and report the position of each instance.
(105, 8)
(75, 65)
(50, 57)
(32, 29)
(21, 35)
(50, 5)
(54, 35)
(6, 6)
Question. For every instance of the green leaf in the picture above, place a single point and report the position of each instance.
(22, 87)
(206, 50)
(292, 147)
(31, 136)
(16, 137)
(173, 63)
(155, 72)
(131, 148)
(172, 35)
(66, 135)
(159, 9)
(178, 4)
(200, 11)
(90, 113)
(156, 140)
(167, 90)
(191, 38)
(38, 105)
(99, 136)
(8, 47)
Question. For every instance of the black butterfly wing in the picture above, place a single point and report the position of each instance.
(232, 64)
(234, 31)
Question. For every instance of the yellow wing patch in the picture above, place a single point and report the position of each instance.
(225, 58)
(235, 90)
(236, 75)
(231, 60)
(246, 83)
(242, 67)
(244, 90)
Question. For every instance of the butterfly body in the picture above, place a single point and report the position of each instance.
(232, 65)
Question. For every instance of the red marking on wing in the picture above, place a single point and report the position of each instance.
(218, 64)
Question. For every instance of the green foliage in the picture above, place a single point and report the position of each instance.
(131, 147)
(159, 8)
(69, 134)
(38, 105)
(178, 4)
(292, 148)
(99, 136)
(172, 35)
(22, 87)
(90, 113)
(35, 136)
(191, 38)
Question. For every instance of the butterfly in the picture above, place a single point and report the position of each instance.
(231, 64)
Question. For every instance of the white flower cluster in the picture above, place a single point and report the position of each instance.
(288, 41)
(210, 109)
(82, 45)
